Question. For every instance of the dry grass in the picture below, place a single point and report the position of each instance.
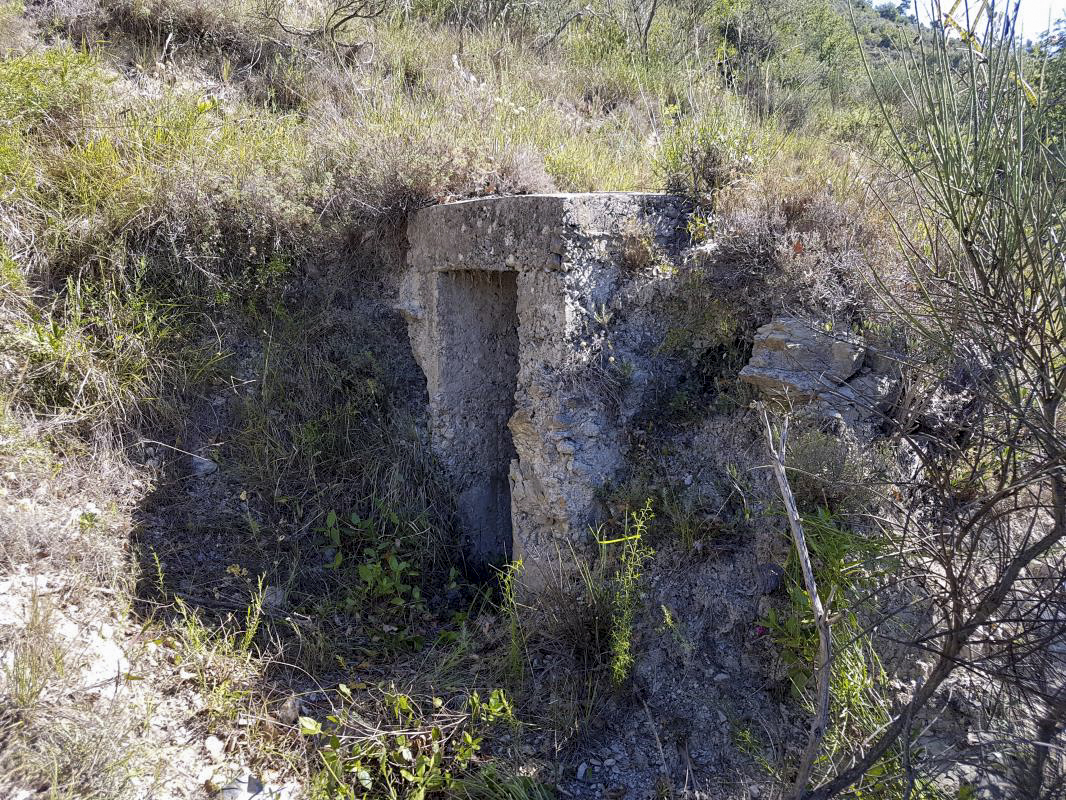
(44, 739)
(201, 222)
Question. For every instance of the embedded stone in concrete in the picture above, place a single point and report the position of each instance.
(509, 302)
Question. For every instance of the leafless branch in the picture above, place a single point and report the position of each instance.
(340, 15)
(820, 722)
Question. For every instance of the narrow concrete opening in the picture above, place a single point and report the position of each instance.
(478, 315)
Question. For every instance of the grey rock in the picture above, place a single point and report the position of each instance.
(863, 401)
(790, 358)
(202, 467)
(794, 362)
(249, 787)
(769, 578)
(288, 712)
(274, 597)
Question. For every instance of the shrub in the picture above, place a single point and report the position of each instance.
(988, 179)
(16, 32)
(414, 749)
(833, 472)
(889, 11)
(702, 156)
(44, 94)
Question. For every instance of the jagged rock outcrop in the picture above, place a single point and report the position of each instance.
(790, 358)
(832, 371)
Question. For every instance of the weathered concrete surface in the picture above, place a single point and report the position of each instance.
(511, 304)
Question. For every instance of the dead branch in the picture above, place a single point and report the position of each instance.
(562, 27)
(340, 15)
(820, 721)
(645, 27)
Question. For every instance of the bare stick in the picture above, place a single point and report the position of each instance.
(645, 29)
(820, 722)
(559, 31)
(658, 741)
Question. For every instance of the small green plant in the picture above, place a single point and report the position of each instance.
(419, 747)
(253, 616)
(489, 782)
(672, 625)
(221, 656)
(387, 579)
(843, 561)
(625, 588)
(682, 518)
(159, 579)
(749, 743)
(516, 640)
(376, 558)
(36, 658)
(840, 558)
(700, 228)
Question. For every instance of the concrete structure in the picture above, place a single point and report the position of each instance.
(514, 307)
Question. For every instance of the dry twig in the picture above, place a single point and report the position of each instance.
(820, 722)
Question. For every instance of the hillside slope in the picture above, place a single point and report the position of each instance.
(228, 556)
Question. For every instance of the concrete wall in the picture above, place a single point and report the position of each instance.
(557, 270)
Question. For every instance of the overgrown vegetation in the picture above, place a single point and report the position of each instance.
(413, 753)
(202, 210)
(987, 248)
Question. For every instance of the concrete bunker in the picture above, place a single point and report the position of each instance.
(506, 301)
